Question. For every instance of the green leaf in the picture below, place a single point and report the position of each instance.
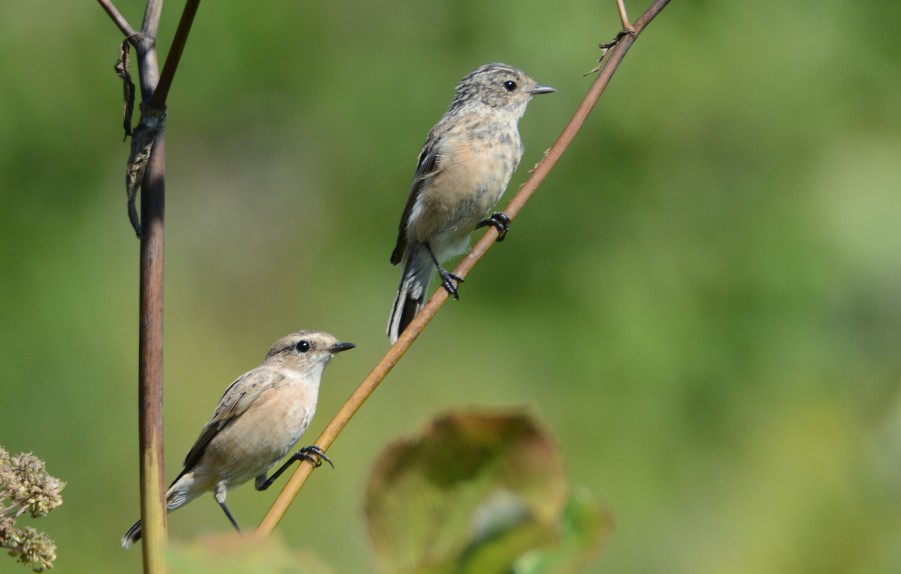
(584, 528)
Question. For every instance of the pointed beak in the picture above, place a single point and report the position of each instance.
(338, 347)
(542, 90)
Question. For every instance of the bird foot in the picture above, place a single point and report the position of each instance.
(448, 280)
(498, 220)
(313, 454)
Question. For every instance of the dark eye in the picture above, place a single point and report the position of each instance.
(302, 346)
(510, 85)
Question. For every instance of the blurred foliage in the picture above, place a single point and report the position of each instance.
(231, 554)
(478, 492)
(702, 299)
(582, 528)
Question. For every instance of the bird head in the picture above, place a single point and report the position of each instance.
(306, 349)
(498, 86)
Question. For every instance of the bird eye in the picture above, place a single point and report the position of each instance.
(510, 85)
(302, 346)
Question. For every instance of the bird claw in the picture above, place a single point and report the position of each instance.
(313, 454)
(447, 281)
(498, 220)
(447, 278)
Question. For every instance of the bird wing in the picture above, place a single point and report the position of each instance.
(426, 169)
(234, 402)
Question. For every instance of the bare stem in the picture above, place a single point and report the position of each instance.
(173, 58)
(151, 23)
(150, 320)
(117, 18)
(384, 366)
(624, 16)
(150, 368)
(154, 91)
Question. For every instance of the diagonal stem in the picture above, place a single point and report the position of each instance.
(117, 17)
(394, 354)
(161, 93)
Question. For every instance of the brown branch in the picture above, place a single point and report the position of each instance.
(150, 369)
(649, 15)
(150, 309)
(173, 58)
(150, 320)
(152, 178)
(384, 366)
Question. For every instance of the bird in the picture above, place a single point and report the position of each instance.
(258, 420)
(463, 169)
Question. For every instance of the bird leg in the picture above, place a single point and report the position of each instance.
(498, 220)
(312, 453)
(219, 495)
(447, 278)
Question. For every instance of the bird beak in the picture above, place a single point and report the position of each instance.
(338, 347)
(542, 90)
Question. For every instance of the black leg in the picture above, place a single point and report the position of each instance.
(447, 278)
(312, 453)
(499, 221)
(230, 517)
(219, 494)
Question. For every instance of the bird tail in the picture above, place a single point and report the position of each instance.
(414, 283)
(133, 535)
(179, 494)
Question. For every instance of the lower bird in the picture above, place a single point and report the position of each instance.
(464, 167)
(258, 421)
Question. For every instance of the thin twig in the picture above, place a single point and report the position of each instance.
(152, 13)
(117, 18)
(384, 366)
(649, 15)
(173, 57)
(623, 16)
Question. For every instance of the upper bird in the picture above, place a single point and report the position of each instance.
(464, 168)
(258, 421)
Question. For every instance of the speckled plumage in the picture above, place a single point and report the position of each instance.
(464, 168)
(258, 420)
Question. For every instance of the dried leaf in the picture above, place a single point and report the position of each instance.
(152, 123)
(128, 87)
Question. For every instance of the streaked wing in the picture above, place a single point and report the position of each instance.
(426, 169)
(237, 398)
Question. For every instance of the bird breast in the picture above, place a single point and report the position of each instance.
(474, 168)
(263, 434)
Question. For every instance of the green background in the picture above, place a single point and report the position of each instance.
(703, 300)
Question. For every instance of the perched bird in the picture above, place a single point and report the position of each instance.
(464, 168)
(258, 421)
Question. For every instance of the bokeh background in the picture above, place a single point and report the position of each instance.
(703, 300)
